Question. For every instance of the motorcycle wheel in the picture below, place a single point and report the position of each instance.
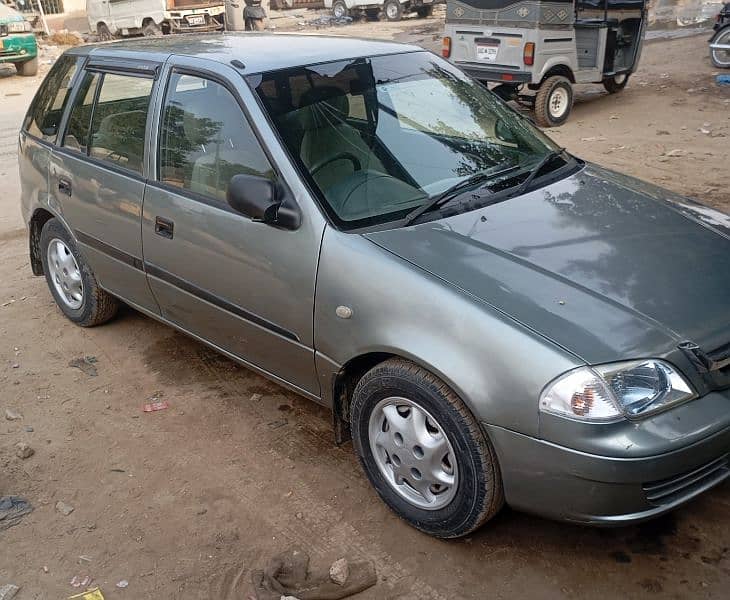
(721, 58)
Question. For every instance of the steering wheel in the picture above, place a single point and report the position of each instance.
(339, 156)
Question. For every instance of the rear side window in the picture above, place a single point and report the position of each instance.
(119, 121)
(205, 138)
(44, 116)
(109, 117)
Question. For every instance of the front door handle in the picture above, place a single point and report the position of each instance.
(64, 186)
(164, 227)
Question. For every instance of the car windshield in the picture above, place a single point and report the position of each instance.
(380, 137)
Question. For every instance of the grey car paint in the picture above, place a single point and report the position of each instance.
(496, 301)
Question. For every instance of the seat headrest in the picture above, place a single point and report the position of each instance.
(324, 106)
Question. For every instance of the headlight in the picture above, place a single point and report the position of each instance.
(19, 27)
(608, 392)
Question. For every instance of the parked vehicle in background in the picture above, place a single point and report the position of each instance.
(392, 10)
(121, 18)
(17, 42)
(546, 46)
(490, 318)
(720, 40)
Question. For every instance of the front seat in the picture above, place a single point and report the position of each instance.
(323, 115)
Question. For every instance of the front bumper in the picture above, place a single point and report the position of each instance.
(18, 47)
(561, 483)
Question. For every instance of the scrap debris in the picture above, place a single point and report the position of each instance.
(85, 364)
(94, 594)
(288, 574)
(12, 509)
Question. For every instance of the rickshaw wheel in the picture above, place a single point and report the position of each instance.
(553, 101)
(616, 83)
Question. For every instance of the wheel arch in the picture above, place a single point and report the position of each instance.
(40, 217)
(558, 69)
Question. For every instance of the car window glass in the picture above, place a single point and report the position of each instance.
(45, 113)
(119, 120)
(206, 139)
(77, 130)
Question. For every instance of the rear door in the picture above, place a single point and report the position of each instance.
(98, 172)
(244, 286)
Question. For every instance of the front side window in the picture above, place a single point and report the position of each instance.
(205, 138)
(44, 116)
(379, 137)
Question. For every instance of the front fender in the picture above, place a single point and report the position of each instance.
(717, 33)
(496, 366)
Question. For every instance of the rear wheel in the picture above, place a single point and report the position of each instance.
(616, 83)
(339, 10)
(721, 58)
(29, 68)
(392, 10)
(102, 31)
(553, 101)
(71, 280)
(423, 451)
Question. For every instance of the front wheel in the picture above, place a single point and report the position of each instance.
(393, 10)
(553, 101)
(103, 33)
(71, 280)
(616, 83)
(721, 58)
(29, 68)
(423, 451)
(339, 10)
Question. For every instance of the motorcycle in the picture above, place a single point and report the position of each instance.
(720, 40)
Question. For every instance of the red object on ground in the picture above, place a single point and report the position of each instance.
(153, 406)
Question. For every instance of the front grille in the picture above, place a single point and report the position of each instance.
(688, 484)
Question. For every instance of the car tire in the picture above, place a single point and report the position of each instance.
(340, 10)
(616, 83)
(553, 101)
(446, 443)
(71, 280)
(424, 12)
(29, 68)
(393, 10)
(151, 29)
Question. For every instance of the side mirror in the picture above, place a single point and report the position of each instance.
(263, 201)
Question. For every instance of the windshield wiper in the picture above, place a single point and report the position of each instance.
(440, 199)
(534, 172)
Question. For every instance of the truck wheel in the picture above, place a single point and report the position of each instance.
(27, 68)
(616, 83)
(423, 451)
(424, 12)
(71, 280)
(393, 10)
(151, 29)
(339, 10)
(553, 101)
(102, 31)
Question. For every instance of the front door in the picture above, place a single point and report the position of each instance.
(243, 286)
(97, 177)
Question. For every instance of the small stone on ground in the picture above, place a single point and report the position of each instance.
(340, 571)
(63, 508)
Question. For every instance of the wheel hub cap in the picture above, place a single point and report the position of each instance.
(558, 103)
(392, 11)
(65, 274)
(413, 453)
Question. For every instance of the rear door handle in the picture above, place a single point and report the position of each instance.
(64, 186)
(164, 227)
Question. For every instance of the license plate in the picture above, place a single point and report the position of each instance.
(487, 53)
(196, 19)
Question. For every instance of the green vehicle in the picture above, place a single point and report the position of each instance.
(17, 42)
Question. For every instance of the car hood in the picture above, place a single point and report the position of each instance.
(604, 265)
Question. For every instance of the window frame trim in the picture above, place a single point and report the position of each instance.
(208, 74)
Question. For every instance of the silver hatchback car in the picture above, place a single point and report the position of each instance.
(490, 318)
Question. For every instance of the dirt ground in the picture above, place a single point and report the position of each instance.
(183, 503)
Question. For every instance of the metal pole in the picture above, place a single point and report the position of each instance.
(43, 17)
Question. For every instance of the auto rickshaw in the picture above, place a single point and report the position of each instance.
(545, 47)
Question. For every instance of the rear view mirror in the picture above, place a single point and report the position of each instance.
(263, 201)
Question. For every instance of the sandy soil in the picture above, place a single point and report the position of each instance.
(182, 501)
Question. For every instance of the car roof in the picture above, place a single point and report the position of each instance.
(257, 51)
